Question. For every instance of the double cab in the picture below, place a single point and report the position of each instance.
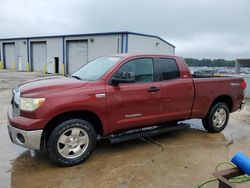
(110, 95)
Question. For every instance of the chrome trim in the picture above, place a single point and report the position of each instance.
(15, 102)
(234, 84)
(133, 115)
(219, 117)
(74, 144)
(16, 94)
(100, 95)
(32, 138)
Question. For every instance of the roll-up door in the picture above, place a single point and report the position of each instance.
(77, 54)
(9, 53)
(39, 55)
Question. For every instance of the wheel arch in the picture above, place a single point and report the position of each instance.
(208, 120)
(90, 116)
(225, 99)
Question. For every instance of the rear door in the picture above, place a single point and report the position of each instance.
(176, 94)
(134, 104)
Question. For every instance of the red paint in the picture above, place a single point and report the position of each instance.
(177, 99)
(243, 84)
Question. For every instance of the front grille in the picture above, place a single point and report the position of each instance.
(15, 101)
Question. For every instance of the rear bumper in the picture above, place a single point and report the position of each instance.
(242, 105)
(27, 139)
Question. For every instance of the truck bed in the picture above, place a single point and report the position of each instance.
(209, 88)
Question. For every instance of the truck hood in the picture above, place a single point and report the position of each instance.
(49, 84)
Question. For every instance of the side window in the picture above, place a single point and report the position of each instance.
(142, 68)
(169, 69)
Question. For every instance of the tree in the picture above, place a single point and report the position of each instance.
(209, 63)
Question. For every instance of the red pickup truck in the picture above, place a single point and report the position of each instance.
(117, 97)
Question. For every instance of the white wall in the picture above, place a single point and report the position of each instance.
(100, 46)
(54, 49)
(144, 44)
(20, 51)
(103, 45)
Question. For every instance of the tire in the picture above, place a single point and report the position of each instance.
(71, 142)
(217, 118)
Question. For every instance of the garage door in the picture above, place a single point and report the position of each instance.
(9, 55)
(39, 55)
(77, 55)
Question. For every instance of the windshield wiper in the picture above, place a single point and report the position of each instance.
(77, 77)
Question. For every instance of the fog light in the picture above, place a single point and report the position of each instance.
(20, 138)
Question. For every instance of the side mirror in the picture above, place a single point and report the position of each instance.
(123, 77)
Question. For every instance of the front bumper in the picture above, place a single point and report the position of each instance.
(27, 139)
(20, 131)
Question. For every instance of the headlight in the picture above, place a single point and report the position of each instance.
(30, 104)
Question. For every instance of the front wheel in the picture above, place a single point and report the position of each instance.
(71, 142)
(217, 118)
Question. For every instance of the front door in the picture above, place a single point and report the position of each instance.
(134, 104)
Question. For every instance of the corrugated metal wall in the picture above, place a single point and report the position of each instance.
(73, 51)
(141, 44)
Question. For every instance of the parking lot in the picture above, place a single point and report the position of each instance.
(177, 159)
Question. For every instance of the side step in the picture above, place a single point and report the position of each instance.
(145, 132)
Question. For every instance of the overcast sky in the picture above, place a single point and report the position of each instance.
(198, 28)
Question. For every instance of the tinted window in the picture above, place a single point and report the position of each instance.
(169, 69)
(142, 68)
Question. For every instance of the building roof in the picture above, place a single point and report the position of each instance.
(89, 34)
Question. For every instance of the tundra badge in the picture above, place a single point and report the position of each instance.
(133, 115)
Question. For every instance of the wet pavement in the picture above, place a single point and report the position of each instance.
(177, 159)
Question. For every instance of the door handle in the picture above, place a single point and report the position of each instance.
(153, 89)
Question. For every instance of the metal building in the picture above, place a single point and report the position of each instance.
(65, 53)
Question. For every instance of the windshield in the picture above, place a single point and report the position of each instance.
(95, 69)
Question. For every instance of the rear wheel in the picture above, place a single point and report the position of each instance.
(71, 142)
(217, 118)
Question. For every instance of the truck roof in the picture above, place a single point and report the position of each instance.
(127, 55)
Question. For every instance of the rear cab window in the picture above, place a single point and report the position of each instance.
(168, 69)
